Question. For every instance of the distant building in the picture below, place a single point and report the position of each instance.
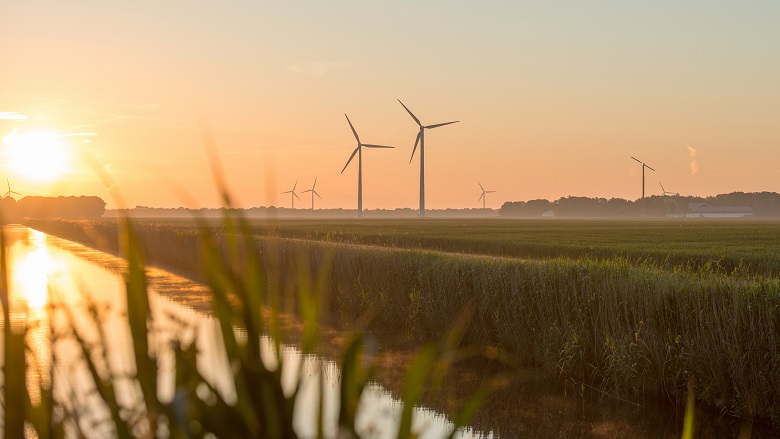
(704, 210)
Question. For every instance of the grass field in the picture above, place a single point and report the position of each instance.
(748, 246)
(566, 302)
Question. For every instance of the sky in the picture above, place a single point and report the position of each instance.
(553, 98)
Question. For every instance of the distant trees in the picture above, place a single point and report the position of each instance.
(52, 207)
(766, 204)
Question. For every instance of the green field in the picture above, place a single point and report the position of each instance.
(632, 307)
(750, 246)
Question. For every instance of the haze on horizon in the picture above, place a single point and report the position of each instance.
(553, 99)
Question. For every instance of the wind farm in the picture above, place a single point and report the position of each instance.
(155, 281)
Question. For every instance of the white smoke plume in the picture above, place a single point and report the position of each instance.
(694, 165)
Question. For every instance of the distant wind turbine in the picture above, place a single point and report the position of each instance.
(359, 151)
(483, 197)
(293, 195)
(421, 140)
(664, 192)
(313, 193)
(8, 194)
(644, 165)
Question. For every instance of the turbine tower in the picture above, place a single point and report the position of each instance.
(313, 193)
(359, 151)
(421, 140)
(664, 192)
(293, 195)
(644, 165)
(483, 197)
(8, 194)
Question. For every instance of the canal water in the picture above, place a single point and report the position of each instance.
(45, 270)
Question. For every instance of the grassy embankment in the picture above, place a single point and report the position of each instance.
(626, 327)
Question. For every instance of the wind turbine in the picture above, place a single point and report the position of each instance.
(359, 151)
(313, 193)
(421, 140)
(483, 197)
(293, 195)
(664, 192)
(644, 165)
(8, 194)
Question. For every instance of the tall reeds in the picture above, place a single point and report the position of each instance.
(624, 327)
(255, 403)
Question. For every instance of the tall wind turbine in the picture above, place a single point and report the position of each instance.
(483, 197)
(644, 165)
(313, 193)
(421, 140)
(664, 192)
(8, 194)
(293, 195)
(359, 151)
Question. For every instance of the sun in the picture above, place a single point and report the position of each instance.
(39, 156)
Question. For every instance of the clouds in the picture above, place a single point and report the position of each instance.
(694, 165)
(12, 115)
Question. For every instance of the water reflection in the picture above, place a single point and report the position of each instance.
(30, 274)
(58, 288)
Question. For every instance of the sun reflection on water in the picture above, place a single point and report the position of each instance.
(33, 273)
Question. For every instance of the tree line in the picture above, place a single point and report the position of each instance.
(764, 204)
(51, 207)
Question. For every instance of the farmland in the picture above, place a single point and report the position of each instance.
(635, 307)
(749, 246)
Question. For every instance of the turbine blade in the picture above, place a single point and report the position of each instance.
(315, 183)
(307, 190)
(295, 185)
(350, 158)
(419, 135)
(480, 186)
(318, 195)
(649, 167)
(640, 161)
(353, 128)
(489, 192)
(410, 113)
(296, 196)
(440, 124)
(480, 197)
(662, 187)
(285, 192)
(367, 145)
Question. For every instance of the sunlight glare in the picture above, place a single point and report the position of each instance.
(39, 156)
(32, 273)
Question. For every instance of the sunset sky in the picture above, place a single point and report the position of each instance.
(553, 98)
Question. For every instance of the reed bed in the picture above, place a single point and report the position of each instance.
(625, 327)
(109, 401)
